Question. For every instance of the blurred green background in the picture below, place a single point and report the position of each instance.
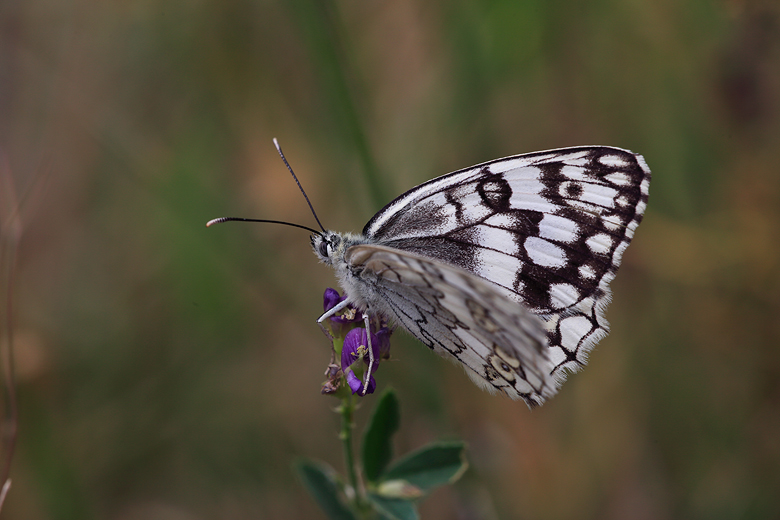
(166, 371)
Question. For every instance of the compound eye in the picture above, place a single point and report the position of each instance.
(324, 248)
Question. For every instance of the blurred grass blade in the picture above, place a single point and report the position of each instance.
(319, 481)
(321, 26)
(433, 465)
(378, 439)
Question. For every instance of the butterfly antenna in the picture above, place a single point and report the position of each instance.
(239, 219)
(281, 154)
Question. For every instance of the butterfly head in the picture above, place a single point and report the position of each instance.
(331, 247)
(325, 246)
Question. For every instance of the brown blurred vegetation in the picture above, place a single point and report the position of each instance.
(166, 371)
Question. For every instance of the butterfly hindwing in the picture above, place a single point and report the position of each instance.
(460, 316)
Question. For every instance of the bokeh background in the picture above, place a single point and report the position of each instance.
(170, 372)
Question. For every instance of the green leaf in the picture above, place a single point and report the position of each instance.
(319, 479)
(433, 465)
(377, 441)
(394, 509)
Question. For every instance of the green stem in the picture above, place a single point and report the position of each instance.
(347, 424)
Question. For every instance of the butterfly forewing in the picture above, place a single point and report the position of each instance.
(502, 346)
(549, 228)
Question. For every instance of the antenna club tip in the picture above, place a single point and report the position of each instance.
(215, 221)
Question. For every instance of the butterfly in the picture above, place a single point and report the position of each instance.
(503, 267)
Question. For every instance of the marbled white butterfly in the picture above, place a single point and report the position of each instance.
(503, 267)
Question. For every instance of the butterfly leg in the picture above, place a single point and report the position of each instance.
(335, 309)
(370, 352)
(332, 347)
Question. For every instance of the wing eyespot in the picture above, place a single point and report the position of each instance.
(506, 357)
(504, 370)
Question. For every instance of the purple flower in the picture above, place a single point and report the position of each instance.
(355, 348)
(340, 324)
(331, 298)
(383, 334)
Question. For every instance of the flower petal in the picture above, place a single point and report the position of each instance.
(371, 385)
(331, 298)
(355, 343)
(354, 383)
(383, 335)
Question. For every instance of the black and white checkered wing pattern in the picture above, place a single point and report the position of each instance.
(548, 228)
(462, 317)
